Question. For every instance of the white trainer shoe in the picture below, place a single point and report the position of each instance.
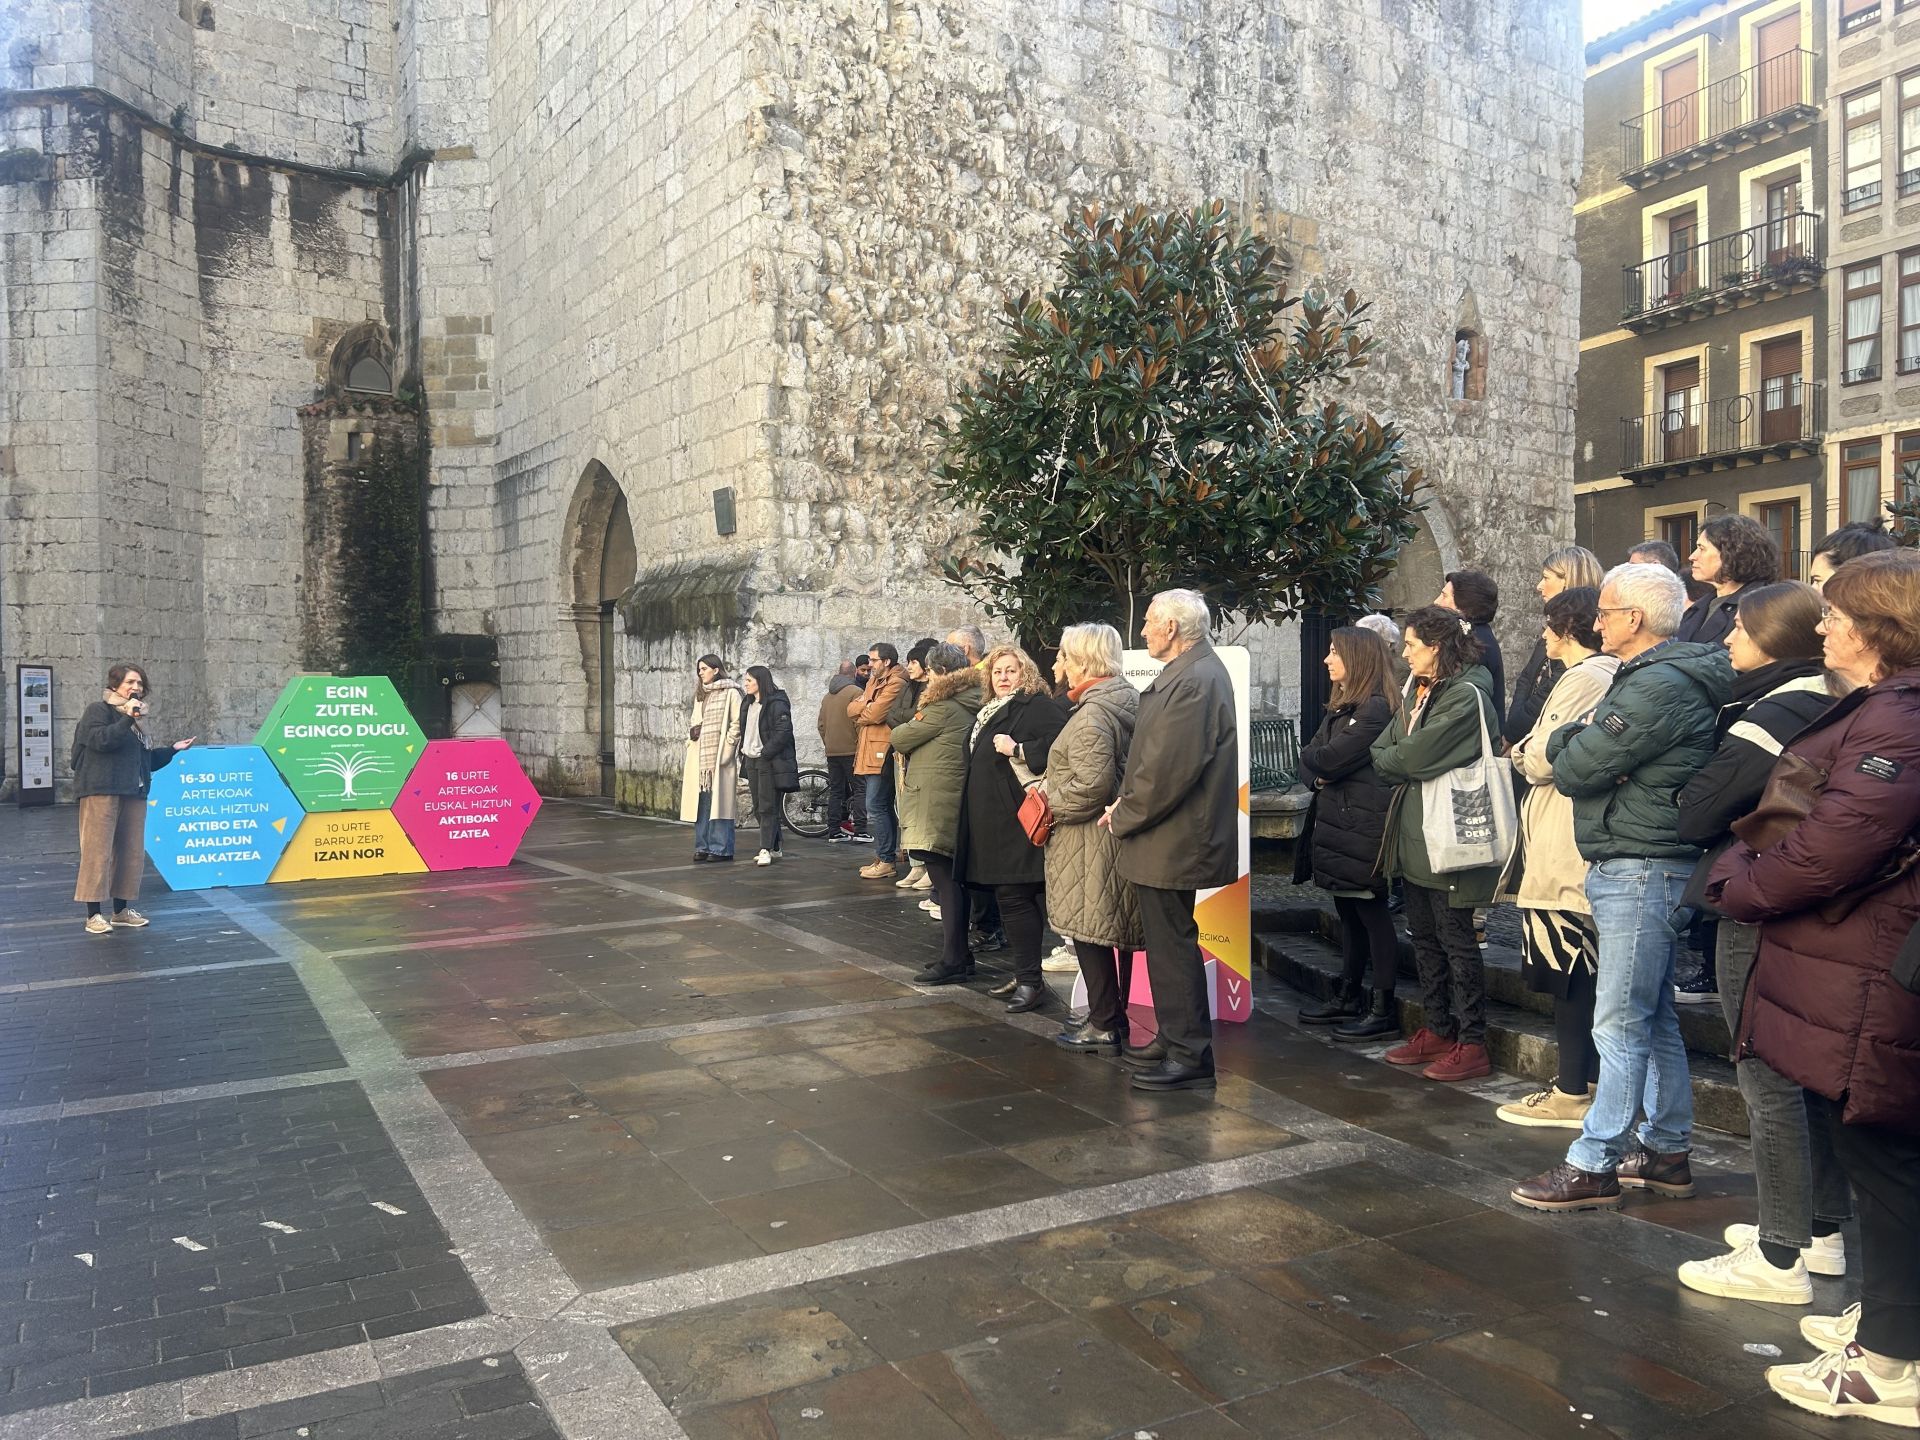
(766, 857)
(1061, 961)
(1827, 1255)
(911, 880)
(1827, 1333)
(130, 919)
(1843, 1385)
(1746, 1274)
(99, 925)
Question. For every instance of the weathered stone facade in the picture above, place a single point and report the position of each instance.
(676, 248)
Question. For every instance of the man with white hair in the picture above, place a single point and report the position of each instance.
(970, 638)
(1177, 821)
(1623, 765)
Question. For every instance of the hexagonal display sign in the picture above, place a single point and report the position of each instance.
(467, 804)
(337, 846)
(219, 815)
(342, 742)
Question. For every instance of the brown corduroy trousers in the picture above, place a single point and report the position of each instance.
(113, 848)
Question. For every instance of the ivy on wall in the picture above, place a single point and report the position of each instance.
(382, 621)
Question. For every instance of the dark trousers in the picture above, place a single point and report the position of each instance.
(1109, 975)
(1178, 975)
(1453, 977)
(846, 794)
(1573, 1033)
(766, 800)
(1023, 914)
(951, 897)
(1884, 1166)
(1366, 933)
(985, 908)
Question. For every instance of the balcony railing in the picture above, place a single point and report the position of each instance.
(1909, 182)
(1781, 419)
(1724, 271)
(1743, 106)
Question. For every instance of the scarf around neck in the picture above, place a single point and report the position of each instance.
(714, 700)
(119, 702)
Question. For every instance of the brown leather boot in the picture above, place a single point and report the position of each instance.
(1462, 1062)
(1423, 1049)
(1669, 1175)
(1566, 1187)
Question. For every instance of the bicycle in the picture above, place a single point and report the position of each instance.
(803, 811)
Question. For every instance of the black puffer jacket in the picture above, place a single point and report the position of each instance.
(991, 848)
(1530, 692)
(776, 741)
(1709, 620)
(1350, 802)
(1769, 707)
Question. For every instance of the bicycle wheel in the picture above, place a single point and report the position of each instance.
(804, 811)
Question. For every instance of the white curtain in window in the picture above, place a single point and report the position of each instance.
(1909, 311)
(1863, 322)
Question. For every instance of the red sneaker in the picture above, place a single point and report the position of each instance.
(1462, 1062)
(1424, 1048)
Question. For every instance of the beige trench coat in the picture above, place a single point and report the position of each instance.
(726, 776)
(1551, 875)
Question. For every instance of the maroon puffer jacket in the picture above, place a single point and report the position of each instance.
(1823, 1008)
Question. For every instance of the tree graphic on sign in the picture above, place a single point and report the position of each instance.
(347, 765)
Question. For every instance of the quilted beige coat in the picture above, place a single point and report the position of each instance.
(1086, 897)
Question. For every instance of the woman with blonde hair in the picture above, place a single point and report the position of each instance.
(1007, 751)
(1573, 567)
(1087, 900)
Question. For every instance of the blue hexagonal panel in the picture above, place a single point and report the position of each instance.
(219, 815)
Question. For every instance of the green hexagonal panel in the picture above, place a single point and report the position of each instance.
(342, 742)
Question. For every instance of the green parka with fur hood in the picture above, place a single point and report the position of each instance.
(931, 752)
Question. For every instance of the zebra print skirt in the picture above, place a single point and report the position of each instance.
(1555, 946)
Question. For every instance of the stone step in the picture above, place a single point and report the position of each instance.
(1519, 1037)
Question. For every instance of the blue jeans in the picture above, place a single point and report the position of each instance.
(880, 813)
(1643, 1062)
(710, 836)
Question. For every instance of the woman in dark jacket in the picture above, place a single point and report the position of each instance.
(767, 755)
(931, 749)
(1350, 805)
(1836, 896)
(1779, 688)
(113, 763)
(1439, 729)
(1008, 751)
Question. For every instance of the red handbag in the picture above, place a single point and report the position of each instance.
(1036, 815)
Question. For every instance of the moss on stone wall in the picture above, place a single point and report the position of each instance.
(648, 792)
(382, 624)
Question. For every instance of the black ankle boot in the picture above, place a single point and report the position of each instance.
(1379, 1022)
(1342, 1004)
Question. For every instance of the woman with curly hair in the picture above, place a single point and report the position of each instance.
(1007, 752)
(1448, 706)
(1733, 554)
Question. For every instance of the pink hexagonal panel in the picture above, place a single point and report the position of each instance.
(467, 804)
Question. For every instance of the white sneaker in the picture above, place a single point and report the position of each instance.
(929, 904)
(1827, 1333)
(911, 880)
(925, 882)
(1827, 1255)
(766, 857)
(130, 918)
(99, 925)
(1061, 961)
(1746, 1274)
(1843, 1385)
(933, 911)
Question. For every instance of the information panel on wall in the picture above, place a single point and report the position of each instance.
(33, 727)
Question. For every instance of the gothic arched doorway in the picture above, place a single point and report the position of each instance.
(600, 562)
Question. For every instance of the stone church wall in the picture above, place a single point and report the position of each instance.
(802, 249)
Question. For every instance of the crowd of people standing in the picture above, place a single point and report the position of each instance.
(1739, 767)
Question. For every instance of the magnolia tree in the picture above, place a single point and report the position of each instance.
(1168, 415)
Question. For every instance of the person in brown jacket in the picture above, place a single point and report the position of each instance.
(874, 756)
(1178, 824)
(845, 794)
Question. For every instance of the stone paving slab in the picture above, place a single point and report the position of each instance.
(154, 1244)
(159, 1033)
(479, 1400)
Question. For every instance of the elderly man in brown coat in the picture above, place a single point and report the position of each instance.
(1177, 821)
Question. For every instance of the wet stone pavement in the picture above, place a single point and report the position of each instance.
(610, 1144)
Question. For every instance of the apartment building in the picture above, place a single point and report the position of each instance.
(1873, 348)
(1703, 239)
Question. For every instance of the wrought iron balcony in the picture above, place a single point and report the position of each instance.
(1767, 99)
(1775, 256)
(1773, 423)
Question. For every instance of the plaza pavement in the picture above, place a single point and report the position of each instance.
(609, 1144)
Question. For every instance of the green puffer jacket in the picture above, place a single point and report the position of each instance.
(1650, 734)
(1444, 737)
(931, 753)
